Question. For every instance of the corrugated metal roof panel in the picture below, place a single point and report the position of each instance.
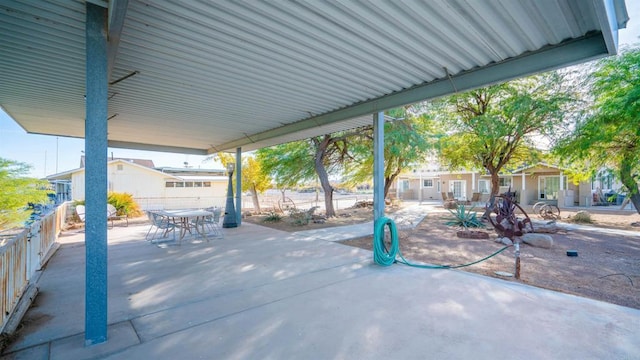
(217, 75)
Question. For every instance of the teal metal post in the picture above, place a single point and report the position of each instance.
(239, 186)
(378, 165)
(96, 176)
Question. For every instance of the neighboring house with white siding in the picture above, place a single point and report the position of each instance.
(167, 188)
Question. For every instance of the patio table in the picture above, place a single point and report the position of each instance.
(182, 219)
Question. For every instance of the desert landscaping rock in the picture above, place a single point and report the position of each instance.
(550, 228)
(538, 240)
(505, 241)
(504, 273)
(472, 234)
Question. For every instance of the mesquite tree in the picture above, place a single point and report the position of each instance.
(609, 133)
(496, 126)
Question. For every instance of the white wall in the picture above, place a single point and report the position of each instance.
(77, 186)
(150, 192)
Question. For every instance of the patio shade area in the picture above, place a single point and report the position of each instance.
(265, 294)
(201, 77)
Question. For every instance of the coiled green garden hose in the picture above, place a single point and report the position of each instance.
(386, 257)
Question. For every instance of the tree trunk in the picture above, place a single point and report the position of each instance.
(495, 184)
(321, 148)
(635, 200)
(495, 189)
(389, 181)
(255, 200)
(626, 167)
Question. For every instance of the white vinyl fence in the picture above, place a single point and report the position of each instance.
(23, 254)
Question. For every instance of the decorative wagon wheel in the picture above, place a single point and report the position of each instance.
(286, 204)
(508, 218)
(537, 206)
(549, 212)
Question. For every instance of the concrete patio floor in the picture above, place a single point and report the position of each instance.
(265, 294)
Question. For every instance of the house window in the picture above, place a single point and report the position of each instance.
(170, 184)
(604, 180)
(206, 184)
(428, 183)
(504, 182)
(120, 167)
(404, 185)
(188, 184)
(438, 186)
(179, 184)
(197, 184)
(483, 186)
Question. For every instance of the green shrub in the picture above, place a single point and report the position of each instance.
(124, 204)
(299, 217)
(464, 218)
(18, 193)
(272, 217)
(582, 217)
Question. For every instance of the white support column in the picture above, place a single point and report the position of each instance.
(562, 194)
(420, 188)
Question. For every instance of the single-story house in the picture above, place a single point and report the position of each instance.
(539, 182)
(161, 188)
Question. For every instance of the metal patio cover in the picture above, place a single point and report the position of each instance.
(205, 76)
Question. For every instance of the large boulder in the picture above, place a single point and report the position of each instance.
(538, 240)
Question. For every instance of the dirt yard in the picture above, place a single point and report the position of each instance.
(607, 267)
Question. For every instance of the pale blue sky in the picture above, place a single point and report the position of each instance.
(50, 154)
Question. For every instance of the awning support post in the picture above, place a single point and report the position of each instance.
(378, 165)
(96, 176)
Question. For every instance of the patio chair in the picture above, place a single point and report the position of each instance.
(160, 223)
(475, 199)
(450, 196)
(448, 201)
(213, 222)
(112, 214)
(80, 211)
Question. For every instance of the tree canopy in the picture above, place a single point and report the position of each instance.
(408, 139)
(496, 127)
(17, 192)
(609, 134)
(254, 179)
(293, 163)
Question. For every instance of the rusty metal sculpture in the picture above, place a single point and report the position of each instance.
(509, 220)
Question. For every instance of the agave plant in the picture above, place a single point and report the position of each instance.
(464, 218)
